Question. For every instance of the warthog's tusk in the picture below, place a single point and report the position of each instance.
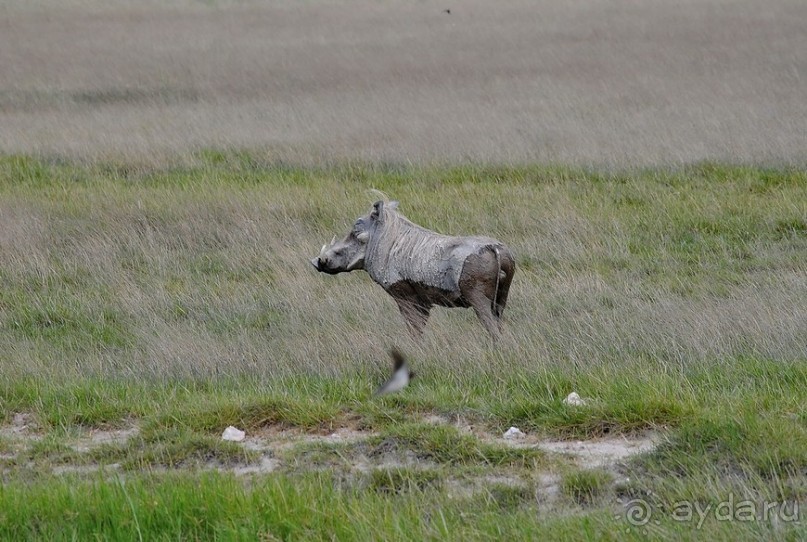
(322, 251)
(333, 240)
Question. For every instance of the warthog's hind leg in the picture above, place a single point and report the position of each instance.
(483, 307)
(506, 270)
(485, 280)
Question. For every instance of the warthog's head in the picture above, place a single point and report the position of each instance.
(348, 254)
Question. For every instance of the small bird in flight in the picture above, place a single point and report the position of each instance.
(401, 375)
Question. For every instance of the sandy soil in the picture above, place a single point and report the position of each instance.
(624, 82)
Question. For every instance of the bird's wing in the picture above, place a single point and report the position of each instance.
(397, 359)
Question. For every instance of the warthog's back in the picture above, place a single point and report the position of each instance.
(403, 251)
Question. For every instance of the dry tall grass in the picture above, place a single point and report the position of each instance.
(608, 83)
(200, 276)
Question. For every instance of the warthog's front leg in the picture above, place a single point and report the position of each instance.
(413, 310)
(415, 315)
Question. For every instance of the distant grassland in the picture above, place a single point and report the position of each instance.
(613, 84)
(182, 299)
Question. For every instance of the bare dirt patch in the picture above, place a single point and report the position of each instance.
(23, 425)
(264, 466)
(601, 452)
(99, 437)
(81, 469)
(589, 454)
(278, 438)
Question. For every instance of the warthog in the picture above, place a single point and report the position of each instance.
(420, 268)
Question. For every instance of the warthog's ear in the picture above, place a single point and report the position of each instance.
(377, 206)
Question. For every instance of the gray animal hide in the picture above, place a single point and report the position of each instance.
(399, 250)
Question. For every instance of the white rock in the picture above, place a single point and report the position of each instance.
(513, 432)
(234, 434)
(574, 400)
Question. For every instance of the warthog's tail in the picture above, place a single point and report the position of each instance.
(498, 276)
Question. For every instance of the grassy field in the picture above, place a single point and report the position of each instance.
(144, 310)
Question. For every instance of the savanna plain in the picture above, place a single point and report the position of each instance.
(160, 200)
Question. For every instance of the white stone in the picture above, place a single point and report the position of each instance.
(574, 400)
(513, 432)
(234, 434)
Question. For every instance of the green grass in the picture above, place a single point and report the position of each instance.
(172, 449)
(585, 486)
(211, 506)
(402, 480)
(180, 301)
(314, 506)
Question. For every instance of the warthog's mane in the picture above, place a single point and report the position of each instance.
(400, 250)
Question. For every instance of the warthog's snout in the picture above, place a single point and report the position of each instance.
(323, 263)
(318, 262)
(323, 266)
